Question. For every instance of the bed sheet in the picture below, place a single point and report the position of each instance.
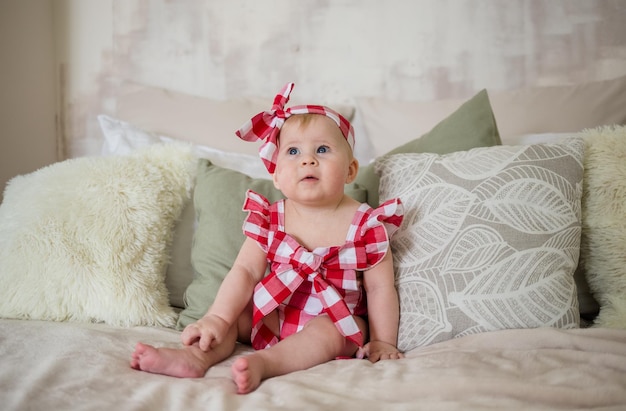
(58, 366)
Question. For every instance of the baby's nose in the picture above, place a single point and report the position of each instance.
(309, 159)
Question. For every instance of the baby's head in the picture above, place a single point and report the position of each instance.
(313, 157)
(266, 125)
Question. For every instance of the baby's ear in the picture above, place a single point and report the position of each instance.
(353, 169)
(274, 180)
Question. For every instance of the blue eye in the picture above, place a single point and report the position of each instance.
(322, 149)
(292, 151)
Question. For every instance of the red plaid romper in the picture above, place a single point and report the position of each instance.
(303, 284)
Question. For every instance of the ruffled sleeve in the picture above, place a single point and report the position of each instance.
(256, 225)
(378, 228)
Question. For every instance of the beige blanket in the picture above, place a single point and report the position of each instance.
(70, 366)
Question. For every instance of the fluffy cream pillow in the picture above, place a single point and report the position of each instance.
(86, 239)
(603, 246)
(121, 138)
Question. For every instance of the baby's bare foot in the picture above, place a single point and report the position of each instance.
(247, 373)
(188, 362)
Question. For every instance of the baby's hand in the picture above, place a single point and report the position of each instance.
(379, 350)
(207, 332)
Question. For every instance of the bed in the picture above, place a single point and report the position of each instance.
(85, 367)
(517, 301)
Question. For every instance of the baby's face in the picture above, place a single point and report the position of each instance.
(314, 158)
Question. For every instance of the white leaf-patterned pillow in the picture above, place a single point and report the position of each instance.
(490, 239)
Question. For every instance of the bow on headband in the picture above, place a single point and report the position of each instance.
(266, 125)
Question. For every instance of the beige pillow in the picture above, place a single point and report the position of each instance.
(532, 110)
(559, 109)
(389, 123)
(603, 246)
(490, 239)
(193, 118)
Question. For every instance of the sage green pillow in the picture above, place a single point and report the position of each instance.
(218, 199)
(471, 125)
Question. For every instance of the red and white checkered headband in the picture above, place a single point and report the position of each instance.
(266, 125)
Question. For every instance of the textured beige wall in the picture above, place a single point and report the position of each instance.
(27, 88)
(84, 46)
(334, 50)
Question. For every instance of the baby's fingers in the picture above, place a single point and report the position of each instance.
(363, 352)
(190, 334)
(207, 341)
(394, 355)
(391, 356)
(383, 355)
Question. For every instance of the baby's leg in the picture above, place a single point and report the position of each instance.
(317, 343)
(185, 362)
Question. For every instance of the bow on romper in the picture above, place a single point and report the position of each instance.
(303, 284)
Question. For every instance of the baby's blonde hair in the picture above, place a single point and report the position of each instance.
(305, 119)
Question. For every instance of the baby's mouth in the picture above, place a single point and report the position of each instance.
(309, 178)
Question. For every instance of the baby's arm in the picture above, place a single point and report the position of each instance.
(232, 298)
(383, 311)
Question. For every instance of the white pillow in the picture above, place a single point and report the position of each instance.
(490, 239)
(86, 239)
(536, 138)
(121, 137)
